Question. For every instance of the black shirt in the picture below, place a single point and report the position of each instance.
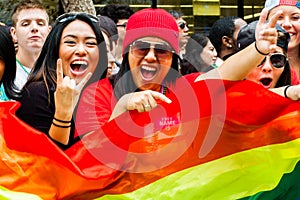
(38, 108)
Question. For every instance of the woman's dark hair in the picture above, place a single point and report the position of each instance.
(116, 11)
(123, 82)
(176, 14)
(109, 27)
(192, 62)
(45, 66)
(8, 56)
(285, 77)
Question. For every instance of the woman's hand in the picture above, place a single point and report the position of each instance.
(67, 93)
(266, 33)
(237, 66)
(66, 97)
(143, 101)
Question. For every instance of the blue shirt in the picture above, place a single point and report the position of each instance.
(3, 96)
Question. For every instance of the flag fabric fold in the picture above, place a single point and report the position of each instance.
(218, 140)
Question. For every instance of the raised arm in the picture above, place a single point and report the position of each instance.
(66, 98)
(237, 66)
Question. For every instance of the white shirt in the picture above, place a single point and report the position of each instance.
(21, 75)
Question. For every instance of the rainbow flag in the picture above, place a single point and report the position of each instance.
(217, 140)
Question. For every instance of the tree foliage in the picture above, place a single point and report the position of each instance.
(6, 7)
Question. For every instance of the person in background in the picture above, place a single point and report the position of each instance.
(30, 27)
(150, 68)
(223, 35)
(8, 90)
(110, 34)
(73, 56)
(273, 72)
(183, 30)
(120, 14)
(200, 55)
(289, 20)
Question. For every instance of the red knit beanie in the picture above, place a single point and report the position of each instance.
(152, 22)
(270, 4)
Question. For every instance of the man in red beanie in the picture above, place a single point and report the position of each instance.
(152, 22)
(149, 66)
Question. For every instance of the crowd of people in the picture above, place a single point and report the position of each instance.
(83, 71)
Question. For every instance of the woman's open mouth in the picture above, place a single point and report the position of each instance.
(266, 82)
(148, 73)
(78, 67)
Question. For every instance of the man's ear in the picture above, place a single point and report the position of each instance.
(49, 28)
(13, 34)
(227, 42)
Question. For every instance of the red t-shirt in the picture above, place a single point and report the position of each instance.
(98, 101)
(95, 106)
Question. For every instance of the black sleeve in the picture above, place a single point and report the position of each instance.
(37, 107)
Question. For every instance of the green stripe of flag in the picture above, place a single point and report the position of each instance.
(236, 176)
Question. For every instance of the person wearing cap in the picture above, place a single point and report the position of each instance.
(150, 68)
(183, 29)
(110, 33)
(274, 70)
(289, 20)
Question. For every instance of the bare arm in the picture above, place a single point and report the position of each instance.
(65, 97)
(291, 91)
(237, 66)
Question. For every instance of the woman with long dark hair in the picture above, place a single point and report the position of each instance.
(73, 56)
(200, 55)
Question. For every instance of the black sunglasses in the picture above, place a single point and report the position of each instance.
(72, 15)
(182, 25)
(278, 60)
(122, 25)
(141, 49)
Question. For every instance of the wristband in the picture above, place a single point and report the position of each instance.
(285, 91)
(62, 121)
(60, 126)
(264, 54)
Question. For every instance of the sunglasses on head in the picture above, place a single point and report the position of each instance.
(182, 25)
(73, 15)
(278, 60)
(161, 50)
